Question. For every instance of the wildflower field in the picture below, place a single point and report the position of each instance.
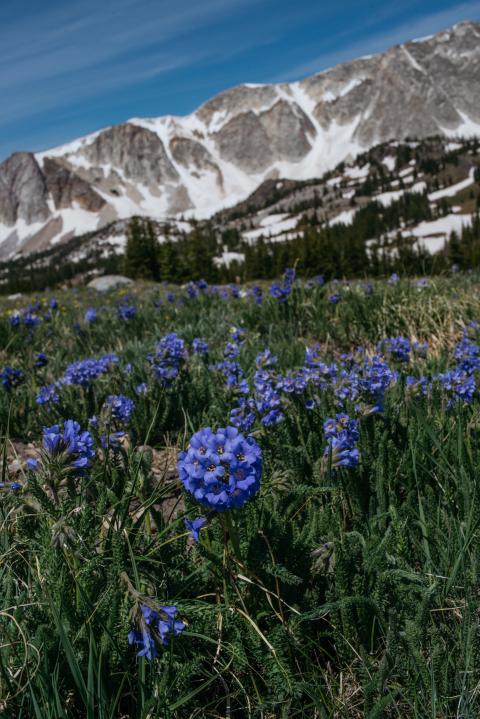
(263, 502)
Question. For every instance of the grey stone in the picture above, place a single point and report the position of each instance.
(109, 282)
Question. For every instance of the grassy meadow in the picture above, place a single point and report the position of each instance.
(341, 577)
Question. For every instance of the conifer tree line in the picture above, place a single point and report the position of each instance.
(370, 245)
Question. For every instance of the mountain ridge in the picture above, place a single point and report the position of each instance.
(196, 165)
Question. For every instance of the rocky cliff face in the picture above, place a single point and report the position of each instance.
(223, 151)
(138, 153)
(66, 187)
(23, 191)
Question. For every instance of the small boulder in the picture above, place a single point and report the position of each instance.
(109, 282)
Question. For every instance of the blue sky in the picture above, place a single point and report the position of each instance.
(68, 67)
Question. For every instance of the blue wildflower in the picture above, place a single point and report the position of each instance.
(156, 626)
(265, 359)
(47, 395)
(459, 386)
(70, 442)
(31, 320)
(126, 312)
(416, 387)
(15, 319)
(194, 526)
(91, 315)
(112, 440)
(199, 346)
(12, 487)
(243, 416)
(40, 359)
(83, 372)
(467, 354)
(398, 347)
(257, 294)
(119, 407)
(237, 334)
(341, 434)
(334, 298)
(222, 469)
(282, 291)
(168, 359)
(11, 378)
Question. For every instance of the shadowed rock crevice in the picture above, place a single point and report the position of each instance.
(66, 188)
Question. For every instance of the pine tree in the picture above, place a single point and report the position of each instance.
(141, 256)
(167, 262)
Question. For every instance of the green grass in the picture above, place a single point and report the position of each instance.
(381, 621)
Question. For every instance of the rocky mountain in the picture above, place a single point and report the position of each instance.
(399, 206)
(194, 166)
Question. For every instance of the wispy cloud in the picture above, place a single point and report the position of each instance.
(81, 49)
(67, 67)
(379, 41)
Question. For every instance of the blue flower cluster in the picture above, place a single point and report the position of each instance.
(168, 359)
(195, 288)
(366, 381)
(91, 315)
(467, 354)
(342, 435)
(416, 387)
(194, 526)
(156, 626)
(83, 372)
(230, 368)
(221, 469)
(267, 398)
(34, 314)
(70, 443)
(281, 292)
(47, 395)
(28, 318)
(11, 486)
(458, 385)
(335, 298)
(126, 311)
(398, 348)
(199, 346)
(40, 360)
(11, 378)
(119, 408)
(256, 293)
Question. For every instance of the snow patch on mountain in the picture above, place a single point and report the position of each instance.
(452, 190)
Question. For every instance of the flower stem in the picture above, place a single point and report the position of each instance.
(232, 534)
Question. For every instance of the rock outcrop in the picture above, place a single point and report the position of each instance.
(23, 191)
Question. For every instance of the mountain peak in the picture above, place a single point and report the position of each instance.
(215, 157)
